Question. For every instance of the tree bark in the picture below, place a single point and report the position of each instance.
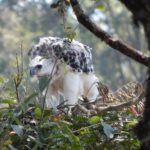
(141, 11)
(108, 39)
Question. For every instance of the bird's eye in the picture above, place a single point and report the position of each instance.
(39, 66)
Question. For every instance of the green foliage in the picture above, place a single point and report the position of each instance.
(95, 119)
(43, 82)
(25, 125)
(29, 20)
(100, 7)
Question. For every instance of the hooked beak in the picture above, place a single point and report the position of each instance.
(33, 71)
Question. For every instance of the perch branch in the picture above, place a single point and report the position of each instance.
(108, 39)
(122, 105)
(99, 110)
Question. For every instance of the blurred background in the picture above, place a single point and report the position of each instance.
(23, 22)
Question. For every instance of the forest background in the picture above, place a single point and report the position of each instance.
(24, 22)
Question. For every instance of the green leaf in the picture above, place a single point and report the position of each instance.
(108, 130)
(18, 129)
(100, 7)
(1, 80)
(38, 113)
(43, 82)
(3, 111)
(69, 32)
(30, 97)
(131, 124)
(9, 93)
(27, 100)
(46, 113)
(95, 119)
(8, 101)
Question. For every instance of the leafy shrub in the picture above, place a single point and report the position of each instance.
(25, 125)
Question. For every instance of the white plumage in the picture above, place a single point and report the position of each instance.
(70, 64)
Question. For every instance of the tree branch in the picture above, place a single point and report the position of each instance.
(122, 105)
(100, 110)
(108, 39)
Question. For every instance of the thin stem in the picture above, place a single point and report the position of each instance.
(50, 78)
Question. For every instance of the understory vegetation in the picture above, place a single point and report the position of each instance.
(26, 124)
(35, 128)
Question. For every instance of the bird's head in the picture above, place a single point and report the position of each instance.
(41, 66)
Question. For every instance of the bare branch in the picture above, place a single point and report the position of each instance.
(99, 110)
(122, 105)
(108, 39)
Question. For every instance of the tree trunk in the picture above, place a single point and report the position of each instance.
(141, 11)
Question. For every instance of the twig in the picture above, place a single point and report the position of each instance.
(122, 105)
(17, 79)
(87, 127)
(48, 82)
(19, 76)
(100, 110)
(108, 39)
(82, 108)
